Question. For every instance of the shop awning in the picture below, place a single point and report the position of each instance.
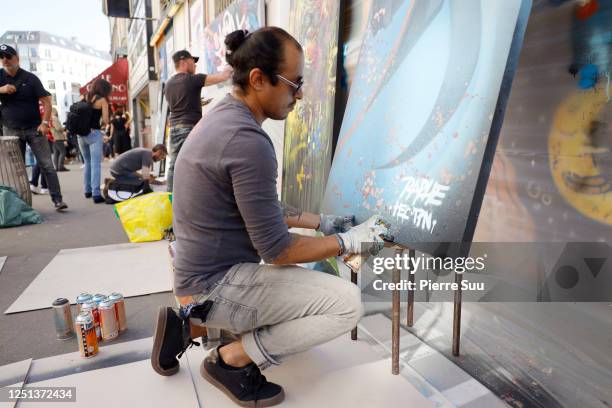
(117, 75)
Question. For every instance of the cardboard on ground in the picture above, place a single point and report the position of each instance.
(131, 269)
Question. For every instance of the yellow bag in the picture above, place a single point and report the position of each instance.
(145, 218)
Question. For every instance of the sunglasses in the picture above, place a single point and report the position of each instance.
(7, 56)
(296, 87)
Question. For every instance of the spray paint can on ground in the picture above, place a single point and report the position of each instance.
(93, 309)
(82, 298)
(62, 316)
(108, 320)
(86, 335)
(98, 298)
(117, 298)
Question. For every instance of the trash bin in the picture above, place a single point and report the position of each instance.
(12, 168)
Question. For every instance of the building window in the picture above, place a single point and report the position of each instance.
(54, 99)
(65, 86)
(49, 67)
(33, 53)
(48, 53)
(51, 84)
(33, 67)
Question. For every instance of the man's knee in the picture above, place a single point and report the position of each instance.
(352, 306)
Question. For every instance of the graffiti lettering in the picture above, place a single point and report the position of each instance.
(413, 202)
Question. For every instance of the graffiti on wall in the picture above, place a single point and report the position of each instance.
(240, 15)
(552, 173)
(309, 128)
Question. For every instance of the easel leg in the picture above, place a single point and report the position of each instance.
(457, 316)
(354, 280)
(395, 320)
(410, 307)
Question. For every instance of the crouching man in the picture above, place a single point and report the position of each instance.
(227, 218)
(126, 166)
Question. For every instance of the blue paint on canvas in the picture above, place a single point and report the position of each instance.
(419, 114)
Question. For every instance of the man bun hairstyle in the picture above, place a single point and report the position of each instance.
(263, 49)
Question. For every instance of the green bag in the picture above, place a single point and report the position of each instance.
(13, 211)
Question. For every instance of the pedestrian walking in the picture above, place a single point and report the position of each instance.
(20, 95)
(92, 144)
(120, 132)
(59, 142)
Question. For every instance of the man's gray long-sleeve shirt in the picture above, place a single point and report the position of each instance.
(225, 205)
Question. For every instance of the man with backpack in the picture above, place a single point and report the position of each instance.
(20, 93)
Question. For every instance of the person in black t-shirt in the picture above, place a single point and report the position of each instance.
(183, 94)
(20, 93)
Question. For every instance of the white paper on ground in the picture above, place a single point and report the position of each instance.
(340, 373)
(2, 260)
(109, 355)
(127, 385)
(14, 376)
(131, 269)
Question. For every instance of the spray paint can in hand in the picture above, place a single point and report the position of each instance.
(82, 298)
(93, 309)
(62, 316)
(108, 320)
(86, 335)
(119, 310)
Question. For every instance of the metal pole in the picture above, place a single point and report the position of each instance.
(395, 318)
(457, 316)
(411, 278)
(354, 280)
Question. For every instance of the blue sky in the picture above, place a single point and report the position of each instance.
(82, 19)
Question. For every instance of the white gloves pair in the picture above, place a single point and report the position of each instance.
(363, 238)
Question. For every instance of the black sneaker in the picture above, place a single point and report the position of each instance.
(169, 341)
(60, 205)
(87, 195)
(98, 199)
(246, 386)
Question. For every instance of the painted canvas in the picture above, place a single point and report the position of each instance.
(426, 103)
(309, 128)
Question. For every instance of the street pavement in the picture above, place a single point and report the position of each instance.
(30, 248)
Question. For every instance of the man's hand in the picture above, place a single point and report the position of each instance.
(227, 72)
(365, 238)
(333, 224)
(8, 89)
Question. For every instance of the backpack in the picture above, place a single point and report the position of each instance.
(78, 120)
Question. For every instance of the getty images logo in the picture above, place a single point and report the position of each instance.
(426, 262)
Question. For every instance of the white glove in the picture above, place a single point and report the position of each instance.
(333, 224)
(365, 238)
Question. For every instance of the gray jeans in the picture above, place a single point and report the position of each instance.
(41, 150)
(281, 310)
(178, 135)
